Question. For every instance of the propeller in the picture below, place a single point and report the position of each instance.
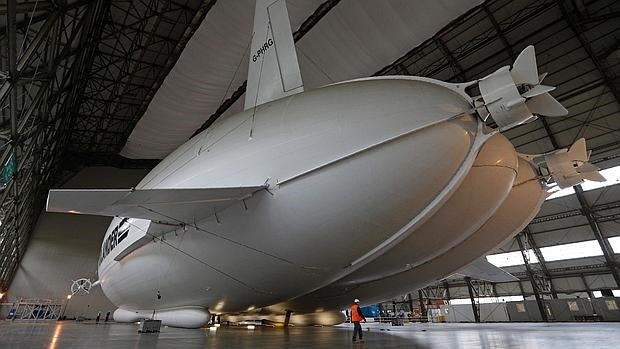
(591, 172)
(542, 77)
(81, 287)
(586, 169)
(524, 69)
(537, 91)
(516, 95)
(537, 98)
(570, 167)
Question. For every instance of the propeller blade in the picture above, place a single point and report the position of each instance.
(524, 70)
(542, 77)
(546, 105)
(537, 90)
(578, 152)
(587, 167)
(594, 176)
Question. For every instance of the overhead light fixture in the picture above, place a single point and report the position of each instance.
(69, 296)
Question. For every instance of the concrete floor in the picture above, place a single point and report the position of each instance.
(70, 334)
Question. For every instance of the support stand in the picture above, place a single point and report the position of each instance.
(287, 318)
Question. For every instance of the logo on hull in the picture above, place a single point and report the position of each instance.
(114, 239)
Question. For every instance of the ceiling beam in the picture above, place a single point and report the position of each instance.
(578, 30)
(541, 261)
(602, 241)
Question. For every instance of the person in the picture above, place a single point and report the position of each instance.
(356, 318)
(98, 317)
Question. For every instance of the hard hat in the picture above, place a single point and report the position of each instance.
(356, 300)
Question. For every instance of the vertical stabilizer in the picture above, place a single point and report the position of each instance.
(274, 70)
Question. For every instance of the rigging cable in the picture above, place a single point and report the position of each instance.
(155, 239)
(195, 226)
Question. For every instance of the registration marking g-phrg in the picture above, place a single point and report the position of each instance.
(262, 50)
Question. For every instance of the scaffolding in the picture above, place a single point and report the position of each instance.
(36, 309)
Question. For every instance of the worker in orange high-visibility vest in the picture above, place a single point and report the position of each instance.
(356, 318)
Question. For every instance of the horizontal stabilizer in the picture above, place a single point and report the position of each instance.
(173, 206)
(481, 269)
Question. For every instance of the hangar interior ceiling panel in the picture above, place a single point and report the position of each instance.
(353, 40)
(136, 48)
(78, 77)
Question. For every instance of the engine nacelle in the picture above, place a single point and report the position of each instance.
(516, 96)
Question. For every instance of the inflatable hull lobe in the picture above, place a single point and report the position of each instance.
(186, 317)
(517, 209)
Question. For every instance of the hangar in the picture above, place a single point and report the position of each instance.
(96, 93)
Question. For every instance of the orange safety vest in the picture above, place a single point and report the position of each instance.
(355, 315)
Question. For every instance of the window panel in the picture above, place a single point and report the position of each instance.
(582, 249)
(615, 243)
(611, 174)
(511, 258)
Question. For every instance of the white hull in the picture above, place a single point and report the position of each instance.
(351, 193)
(307, 200)
(519, 208)
(297, 233)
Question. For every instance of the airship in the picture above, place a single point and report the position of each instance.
(366, 188)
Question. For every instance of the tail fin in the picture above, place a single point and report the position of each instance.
(481, 269)
(274, 70)
(570, 167)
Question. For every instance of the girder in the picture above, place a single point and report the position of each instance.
(34, 116)
(139, 45)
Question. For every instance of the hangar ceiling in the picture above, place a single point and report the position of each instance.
(78, 75)
(349, 42)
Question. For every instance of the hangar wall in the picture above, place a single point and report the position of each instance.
(66, 247)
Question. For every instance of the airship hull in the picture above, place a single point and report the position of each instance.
(520, 206)
(306, 200)
(477, 198)
(343, 186)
